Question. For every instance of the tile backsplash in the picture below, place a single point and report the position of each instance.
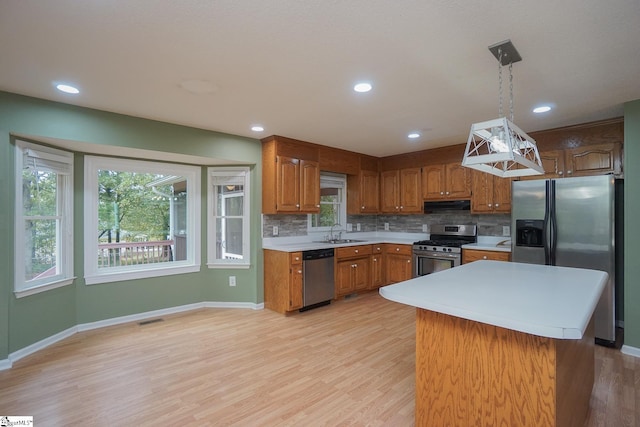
(296, 225)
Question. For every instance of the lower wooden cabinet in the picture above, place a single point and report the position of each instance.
(282, 280)
(470, 255)
(377, 267)
(398, 263)
(353, 269)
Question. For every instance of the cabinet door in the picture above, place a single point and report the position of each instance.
(501, 194)
(288, 184)
(295, 287)
(389, 185)
(309, 186)
(458, 181)
(433, 178)
(597, 159)
(482, 198)
(369, 191)
(343, 273)
(398, 268)
(553, 164)
(410, 191)
(377, 271)
(361, 274)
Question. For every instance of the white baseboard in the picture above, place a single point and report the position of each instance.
(139, 316)
(631, 351)
(30, 349)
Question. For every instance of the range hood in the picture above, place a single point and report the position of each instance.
(447, 205)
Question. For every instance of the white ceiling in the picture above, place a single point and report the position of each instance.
(290, 64)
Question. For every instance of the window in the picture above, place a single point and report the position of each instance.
(44, 218)
(333, 204)
(228, 232)
(142, 219)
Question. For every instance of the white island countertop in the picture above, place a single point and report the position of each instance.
(552, 302)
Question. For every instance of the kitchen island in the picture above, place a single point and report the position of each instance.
(500, 343)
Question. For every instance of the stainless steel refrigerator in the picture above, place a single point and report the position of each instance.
(570, 222)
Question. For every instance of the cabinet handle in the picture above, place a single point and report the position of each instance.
(297, 258)
(297, 206)
(397, 249)
(317, 206)
(569, 172)
(408, 261)
(490, 204)
(447, 193)
(362, 207)
(375, 260)
(560, 173)
(497, 204)
(401, 207)
(356, 251)
(442, 193)
(299, 271)
(484, 257)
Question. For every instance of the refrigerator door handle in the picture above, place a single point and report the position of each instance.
(554, 224)
(546, 240)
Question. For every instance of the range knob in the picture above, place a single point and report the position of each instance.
(435, 249)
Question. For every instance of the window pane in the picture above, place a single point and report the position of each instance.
(229, 238)
(142, 218)
(40, 249)
(39, 193)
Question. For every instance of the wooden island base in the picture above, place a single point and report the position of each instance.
(473, 374)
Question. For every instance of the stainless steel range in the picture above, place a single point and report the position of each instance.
(443, 250)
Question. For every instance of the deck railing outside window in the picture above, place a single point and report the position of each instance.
(134, 253)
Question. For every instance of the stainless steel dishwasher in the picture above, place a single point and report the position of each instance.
(317, 278)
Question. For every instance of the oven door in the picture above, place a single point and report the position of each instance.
(432, 262)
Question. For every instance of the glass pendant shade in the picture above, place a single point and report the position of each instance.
(501, 148)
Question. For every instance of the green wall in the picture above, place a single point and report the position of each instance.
(30, 319)
(631, 229)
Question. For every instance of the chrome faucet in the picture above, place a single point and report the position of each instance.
(331, 236)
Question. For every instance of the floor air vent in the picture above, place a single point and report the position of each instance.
(146, 322)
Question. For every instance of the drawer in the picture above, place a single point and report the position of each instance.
(390, 248)
(295, 258)
(353, 251)
(470, 255)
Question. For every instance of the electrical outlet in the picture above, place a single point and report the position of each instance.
(349, 226)
(425, 228)
(275, 230)
(358, 228)
(232, 280)
(506, 230)
(386, 226)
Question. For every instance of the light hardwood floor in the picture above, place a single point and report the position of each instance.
(351, 363)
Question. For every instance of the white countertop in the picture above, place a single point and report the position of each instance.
(553, 302)
(304, 243)
(491, 243)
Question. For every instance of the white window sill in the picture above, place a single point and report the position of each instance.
(43, 288)
(119, 276)
(228, 265)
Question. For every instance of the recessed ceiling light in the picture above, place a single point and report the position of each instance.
(362, 87)
(413, 135)
(67, 88)
(257, 128)
(542, 109)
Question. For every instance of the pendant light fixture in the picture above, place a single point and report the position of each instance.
(498, 146)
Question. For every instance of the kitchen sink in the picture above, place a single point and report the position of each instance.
(339, 241)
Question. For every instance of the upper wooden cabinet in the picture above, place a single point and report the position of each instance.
(491, 194)
(597, 159)
(290, 177)
(400, 191)
(448, 181)
(363, 192)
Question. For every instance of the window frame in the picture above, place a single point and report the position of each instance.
(327, 178)
(64, 224)
(233, 173)
(96, 275)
